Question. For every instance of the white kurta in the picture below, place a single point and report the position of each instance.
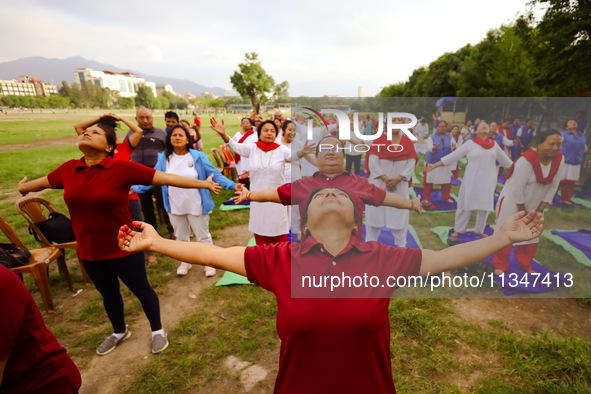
(266, 171)
(480, 177)
(421, 130)
(243, 164)
(465, 134)
(318, 134)
(440, 175)
(459, 143)
(392, 218)
(522, 188)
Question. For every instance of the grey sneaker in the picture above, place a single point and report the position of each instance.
(111, 343)
(159, 343)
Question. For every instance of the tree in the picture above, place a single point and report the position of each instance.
(253, 82)
(560, 44)
(72, 95)
(58, 101)
(172, 100)
(42, 101)
(145, 97)
(395, 90)
(125, 102)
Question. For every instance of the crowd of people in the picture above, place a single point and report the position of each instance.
(299, 185)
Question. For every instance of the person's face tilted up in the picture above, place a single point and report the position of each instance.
(95, 140)
(144, 119)
(482, 131)
(329, 209)
(268, 133)
(571, 125)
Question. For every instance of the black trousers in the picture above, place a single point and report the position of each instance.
(105, 275)
(148, 207)
(356, 160)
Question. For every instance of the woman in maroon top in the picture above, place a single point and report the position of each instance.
(96, 190)
(327, 344)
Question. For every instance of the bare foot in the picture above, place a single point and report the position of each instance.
(499, 272)
(455, 234)
(483, 235)
(152, 261)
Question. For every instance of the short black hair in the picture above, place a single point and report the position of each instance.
(543, 135)
(441, 121)
(171, 114)
(284, 124)
(267, 122)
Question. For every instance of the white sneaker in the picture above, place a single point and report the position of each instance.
(209, 272)
(183, 269)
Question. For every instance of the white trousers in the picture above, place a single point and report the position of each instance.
(463, 217)
(182, 225)
(373, 233)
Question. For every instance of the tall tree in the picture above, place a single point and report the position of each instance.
(253, 82)
(560, 44)
(145, 97)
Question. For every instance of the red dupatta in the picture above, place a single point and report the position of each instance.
(380, 148)
(267, 146)
(241, 140)
(486, 144)
(532, 156)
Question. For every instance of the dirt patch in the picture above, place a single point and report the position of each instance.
(528, 315)
(44, 143)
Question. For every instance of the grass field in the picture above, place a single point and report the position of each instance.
(434, 349)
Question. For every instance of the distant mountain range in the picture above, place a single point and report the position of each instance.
(60, 70)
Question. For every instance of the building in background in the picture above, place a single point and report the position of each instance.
(126, 83)
(20, 87)
(361, 92)
(232, 93)
(43, 89)
(161, 87)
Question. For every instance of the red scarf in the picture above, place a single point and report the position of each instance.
(241, 140)
(267, 146)
(532, 156)
(457, 137)
(380, 149)
(486, 144)
(506, 132)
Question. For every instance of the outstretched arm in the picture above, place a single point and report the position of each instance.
(265, 195)
(25, 187)
(517, 228)
(163, 178)
(229, 259)
(394, 200)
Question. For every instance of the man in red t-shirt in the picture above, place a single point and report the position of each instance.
(31, 359)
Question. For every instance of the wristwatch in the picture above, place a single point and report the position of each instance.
(403, 178)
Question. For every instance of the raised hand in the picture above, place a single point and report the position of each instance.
(212, 186)
(241, 195)
(219, 128)
(21, 186)
(308, 148)
(523, 227)
(436, 147)
(132, 241)
(117, 117)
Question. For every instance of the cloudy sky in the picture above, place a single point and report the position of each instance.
(319, 47)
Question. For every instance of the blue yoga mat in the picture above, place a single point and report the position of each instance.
(501, 179)
(386, 237)
(514, 269)
(437, 200)
(581, 194)
(455, 182)
(231, 202)
(557, 204)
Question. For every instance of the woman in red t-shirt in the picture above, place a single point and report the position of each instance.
(96, 190)
(328, 344)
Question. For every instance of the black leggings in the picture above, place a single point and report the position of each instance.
(356, 160)
(105, 275)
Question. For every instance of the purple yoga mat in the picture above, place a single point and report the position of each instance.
(437, 200)
(579, 239)
(231, 202)
(501, 179)
(455, 182)
(557, 204)
(387, 238)
(514, 269)
(581, 194)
